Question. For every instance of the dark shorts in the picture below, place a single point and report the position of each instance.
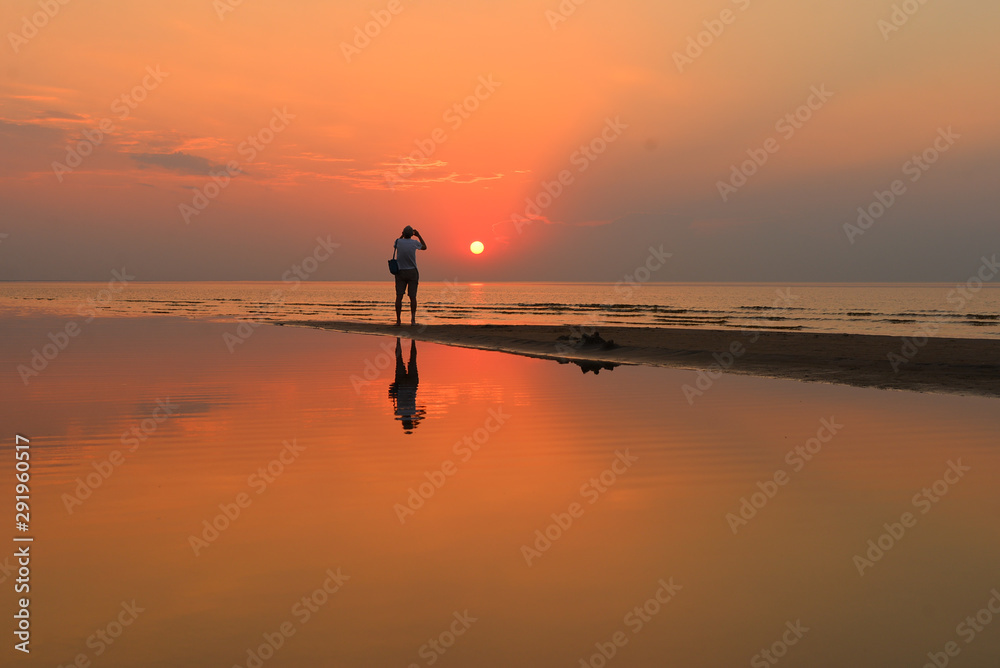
(406, 281)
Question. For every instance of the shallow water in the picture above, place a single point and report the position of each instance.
(524, 438)
(968, 310)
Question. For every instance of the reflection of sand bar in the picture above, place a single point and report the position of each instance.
(960, 366)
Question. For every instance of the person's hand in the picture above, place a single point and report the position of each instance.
(415, 233)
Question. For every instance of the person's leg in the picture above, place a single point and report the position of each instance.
(400, 288)
(413, 300)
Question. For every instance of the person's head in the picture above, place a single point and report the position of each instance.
(407, 232)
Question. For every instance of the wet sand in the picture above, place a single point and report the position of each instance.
(956, 366)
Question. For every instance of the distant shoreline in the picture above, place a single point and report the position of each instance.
(945, 365)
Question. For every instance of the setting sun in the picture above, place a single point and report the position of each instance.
(477, 247)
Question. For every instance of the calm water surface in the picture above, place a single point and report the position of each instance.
(498, 445)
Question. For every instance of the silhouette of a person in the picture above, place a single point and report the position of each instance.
(408, 277)
(403, 390)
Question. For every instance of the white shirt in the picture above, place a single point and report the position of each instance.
(406, 252)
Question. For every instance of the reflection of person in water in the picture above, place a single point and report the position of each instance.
(403, 390)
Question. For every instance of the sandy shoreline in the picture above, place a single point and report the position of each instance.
(958, 366)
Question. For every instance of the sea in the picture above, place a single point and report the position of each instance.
(964, 310)
(317, 498)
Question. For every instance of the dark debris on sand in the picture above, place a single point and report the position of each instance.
(592, 341)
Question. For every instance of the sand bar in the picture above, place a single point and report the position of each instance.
(958, 366)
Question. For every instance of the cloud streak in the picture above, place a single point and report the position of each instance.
(177, 161)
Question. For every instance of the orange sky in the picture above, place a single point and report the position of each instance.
(353, 114)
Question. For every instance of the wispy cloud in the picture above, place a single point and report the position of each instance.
(317, 157)
(402, 175)
(29, 131)
(177, 161)
(52, 114)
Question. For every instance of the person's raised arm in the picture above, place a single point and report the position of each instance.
(423, 244)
